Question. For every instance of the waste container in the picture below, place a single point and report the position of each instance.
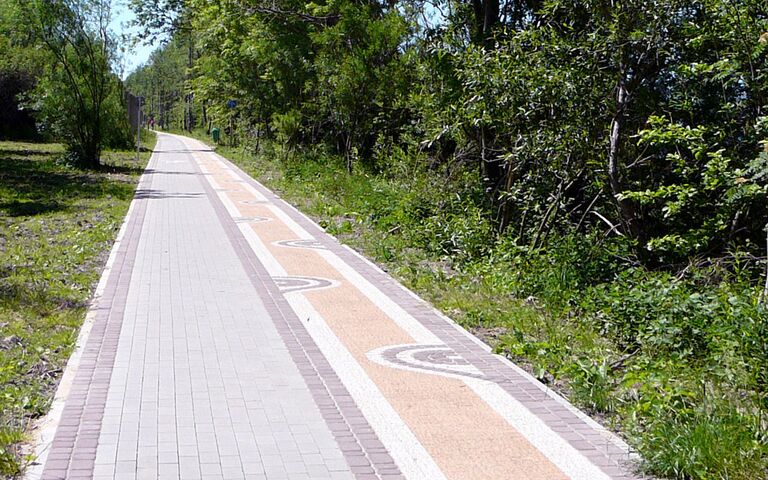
(215, 134)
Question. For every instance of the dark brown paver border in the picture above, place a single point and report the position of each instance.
(73, 449)
(607, 455)
(366, 456)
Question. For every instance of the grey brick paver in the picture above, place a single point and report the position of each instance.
(199, 368)
(201, 381)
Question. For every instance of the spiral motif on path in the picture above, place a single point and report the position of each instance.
(300, 284)
(302, 244)
(251, 219)
(432, 359)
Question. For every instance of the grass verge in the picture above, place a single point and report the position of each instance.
(57, 224)
(676, 364)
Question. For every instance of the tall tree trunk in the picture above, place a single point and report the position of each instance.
(348, 151)
(205, 118)
(764, 295)
(505, 208)
(627, 210)
(486, 18)
(188, 105)
(491, 170)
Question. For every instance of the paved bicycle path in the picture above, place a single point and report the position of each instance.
(234, 339)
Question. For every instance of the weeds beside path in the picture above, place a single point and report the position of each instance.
(57, 225)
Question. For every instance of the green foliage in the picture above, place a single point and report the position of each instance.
(592, 385)
(691, 444)
(20, 65)
(325, 72)
(15, 121)
(79, 125)
(287, 126)
(8, 462)
(77, 98)
(709, 193)
(657, 314)
(640, 119)
(162, 84)
(460, 232)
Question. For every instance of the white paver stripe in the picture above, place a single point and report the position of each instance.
(402, 444)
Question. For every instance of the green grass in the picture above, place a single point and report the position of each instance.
(677, 366)
(57, 225)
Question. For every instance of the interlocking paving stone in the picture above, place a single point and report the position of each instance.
(202, 363)
(195, 347)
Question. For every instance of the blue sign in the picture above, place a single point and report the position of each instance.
(232, 103)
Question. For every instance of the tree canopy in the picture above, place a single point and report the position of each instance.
(642, 118)
(59, 67)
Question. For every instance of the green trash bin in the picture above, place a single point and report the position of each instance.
(215, 134)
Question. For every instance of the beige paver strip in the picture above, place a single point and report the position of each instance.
(239, 340)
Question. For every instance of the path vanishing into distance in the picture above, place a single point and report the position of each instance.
(232, 338)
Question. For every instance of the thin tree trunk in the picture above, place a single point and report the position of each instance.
(486, 16)
(188, 116)
(505, 213)
(764, 296)
(348, 150)
(205, 118)
(626, 208)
